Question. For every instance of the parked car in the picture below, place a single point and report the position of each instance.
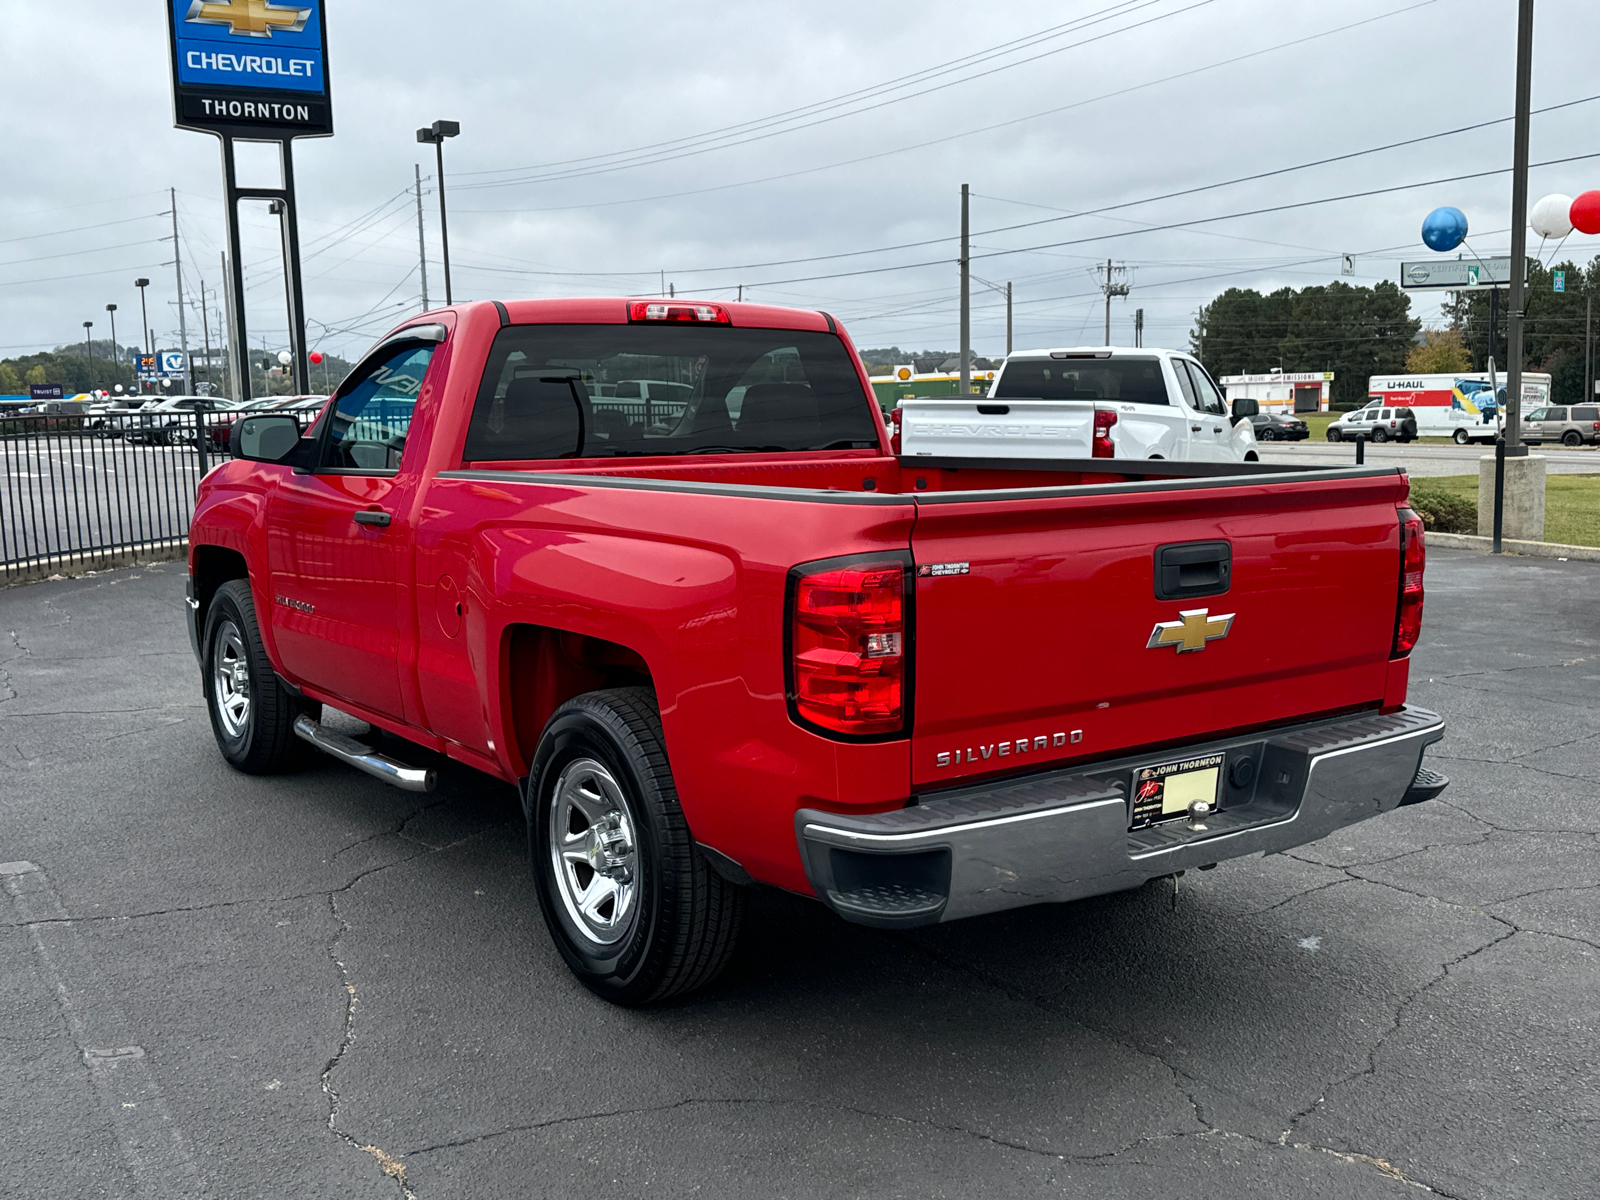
(1089, 402)
(177, 419)
(1279, 427)
(768, 650)
(1376, 424)
(1571, 426)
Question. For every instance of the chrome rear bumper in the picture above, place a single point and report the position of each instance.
(1064, 835)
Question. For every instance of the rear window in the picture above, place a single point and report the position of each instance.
(597, 391)
(1136, 380)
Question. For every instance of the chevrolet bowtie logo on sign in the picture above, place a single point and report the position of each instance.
(1191, 631)
(251, 18)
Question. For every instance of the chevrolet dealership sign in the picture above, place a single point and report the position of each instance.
(250, 68)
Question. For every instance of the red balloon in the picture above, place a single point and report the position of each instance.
(316, 356)
(1586, 213)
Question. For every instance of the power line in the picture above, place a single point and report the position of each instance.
(652, 156)
(850, 162)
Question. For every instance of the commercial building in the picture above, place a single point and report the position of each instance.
(1282, 392)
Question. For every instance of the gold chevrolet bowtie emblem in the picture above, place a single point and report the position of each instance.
(255, 18)
(1191, 631)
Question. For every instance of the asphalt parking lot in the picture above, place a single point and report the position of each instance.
(317, 986)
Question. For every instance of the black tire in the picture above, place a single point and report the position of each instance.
(677, 928)
(259, 739)
(1380, 435)
(1460, 437)
(1333, 434)
(1572, 439)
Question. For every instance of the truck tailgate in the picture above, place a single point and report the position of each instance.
(1042, 429)
(1036, 614)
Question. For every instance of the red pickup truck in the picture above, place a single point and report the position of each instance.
(726, 636)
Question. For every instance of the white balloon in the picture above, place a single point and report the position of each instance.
(1551, 217)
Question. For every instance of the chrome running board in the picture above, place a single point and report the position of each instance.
(364, 758)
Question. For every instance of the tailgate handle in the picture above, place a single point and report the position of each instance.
(994, 410)
(1189, 570)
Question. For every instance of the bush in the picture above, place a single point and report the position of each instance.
(1443, 512)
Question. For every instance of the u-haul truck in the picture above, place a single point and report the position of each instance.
(1464, 405)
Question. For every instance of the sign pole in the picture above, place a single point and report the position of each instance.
(238, 337)
(1519, 230)
(291, 274)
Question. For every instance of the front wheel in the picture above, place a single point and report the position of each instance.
(633, 906)
(252, 713)
(1333, 434)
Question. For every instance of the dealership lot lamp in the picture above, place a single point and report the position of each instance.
(116, 355)
(88, 346)
(435, 135)
(144, 314)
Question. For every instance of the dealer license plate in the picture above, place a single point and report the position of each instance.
(1163, 792)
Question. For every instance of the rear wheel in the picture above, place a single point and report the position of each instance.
(1461, 438)
(1380, 435)
(252, 713)
(1572, 438)
(634, 908)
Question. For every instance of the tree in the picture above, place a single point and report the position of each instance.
(10, 381)
(1440, 354)
(36, 375)
(1355, 332)
(1552, 328)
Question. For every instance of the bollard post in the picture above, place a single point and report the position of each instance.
(1361, 449)
(1499, 489)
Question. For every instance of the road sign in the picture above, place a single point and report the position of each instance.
(1347, 264)
(1560, 278)
(250, 68)
(1456, 274)
(46, 391)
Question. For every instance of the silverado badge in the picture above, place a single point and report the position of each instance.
(1191, 631)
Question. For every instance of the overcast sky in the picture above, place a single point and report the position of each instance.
(1057, 107)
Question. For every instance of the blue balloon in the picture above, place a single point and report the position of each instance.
(1444, 229)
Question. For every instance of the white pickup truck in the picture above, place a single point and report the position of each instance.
(1085, 403)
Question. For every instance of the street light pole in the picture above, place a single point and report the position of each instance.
(88, 348)
(966, 301)
(144, 313)
(116, 352)
(435, 135)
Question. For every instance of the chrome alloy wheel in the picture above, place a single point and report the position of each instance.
(593, 851)
(230, 679)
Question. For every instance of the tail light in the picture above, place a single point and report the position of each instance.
(894, 432)
(1413, 561)
(696, 314)
(1104, 419)
(848, 636)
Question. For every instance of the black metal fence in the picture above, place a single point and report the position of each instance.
(78, 490)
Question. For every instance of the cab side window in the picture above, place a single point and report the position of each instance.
(372, 415)
(1185, 384)
(1211, 400)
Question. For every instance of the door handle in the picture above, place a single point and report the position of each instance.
(372, 516)
(1194, 429)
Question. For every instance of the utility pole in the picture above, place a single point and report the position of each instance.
(966, 300)
(422, 248)
(205, 328)
(1519, 229)
(741, 293)
(234, 360)
(183, 324)
(1008, 319)
(1114, 283)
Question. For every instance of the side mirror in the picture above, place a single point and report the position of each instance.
(1244, 409)
(267, 438)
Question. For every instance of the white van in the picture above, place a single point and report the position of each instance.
(1089, 402)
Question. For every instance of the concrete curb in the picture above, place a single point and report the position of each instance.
(82, 563)
(1463, 541)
